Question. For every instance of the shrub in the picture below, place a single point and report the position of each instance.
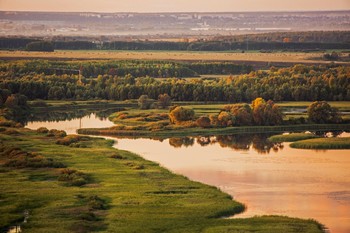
(70, 139)
(225, 119)
(117, 156)
(73, 177)
(57, 133)
(42, 130)
(180, 114)
(21, 159)
(214, 120)
(96, 203)
(203, 122)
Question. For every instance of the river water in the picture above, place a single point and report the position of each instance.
(270, 179)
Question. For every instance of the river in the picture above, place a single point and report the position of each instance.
(270, 179)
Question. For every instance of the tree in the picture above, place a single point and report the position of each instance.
(164, 101)
(145, 102)
(266, 113)
(242, 113)
(15, 101)
(203, 122)
(180, 114)
(321, 112)
(225, 119)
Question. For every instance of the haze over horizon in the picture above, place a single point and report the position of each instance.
(160, 6)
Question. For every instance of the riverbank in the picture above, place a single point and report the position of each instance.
(123, 192)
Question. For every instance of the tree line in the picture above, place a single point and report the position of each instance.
(156, 69)
(297, 83)
(308, 37)
(290, 41)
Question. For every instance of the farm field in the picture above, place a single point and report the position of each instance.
(280, 57)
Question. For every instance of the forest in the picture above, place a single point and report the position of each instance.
(91, 69)
(296, 83)
(286, 41)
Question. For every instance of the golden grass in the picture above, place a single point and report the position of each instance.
(168, 55)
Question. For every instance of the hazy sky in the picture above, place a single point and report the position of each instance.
(173, 5)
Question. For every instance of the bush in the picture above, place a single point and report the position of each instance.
(180, 114)
(96, 203)
(57, 133)
(21, 159)
(42, 130)
(225, 119)
(73, 177)
(203, 122)
(117, 156)
(71, 139)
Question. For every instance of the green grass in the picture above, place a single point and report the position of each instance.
(323, 143)
(291, 137)
(125, 193)
(182, 132)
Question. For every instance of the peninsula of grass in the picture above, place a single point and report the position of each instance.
(196, 131)
(122, 193)
(323, 143)
(292, 137)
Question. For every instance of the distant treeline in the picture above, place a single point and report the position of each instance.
(156, 69)
(292, 41)
(297, 83)
(306, 37)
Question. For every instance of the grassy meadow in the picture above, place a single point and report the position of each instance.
(254, 56)
(122, 192)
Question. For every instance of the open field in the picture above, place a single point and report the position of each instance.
(124, 193)
(253, 57)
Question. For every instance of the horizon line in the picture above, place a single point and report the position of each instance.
(176, 12)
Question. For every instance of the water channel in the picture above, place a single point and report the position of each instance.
(270, 179)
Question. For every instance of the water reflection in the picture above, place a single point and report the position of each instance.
(240, 142)
(56, 116)
(70, 121)
(292, 182)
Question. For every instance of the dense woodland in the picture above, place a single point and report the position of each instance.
(297, 83)
(289, 41)
(91, 69)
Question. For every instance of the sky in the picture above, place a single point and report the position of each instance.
(172, 5)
